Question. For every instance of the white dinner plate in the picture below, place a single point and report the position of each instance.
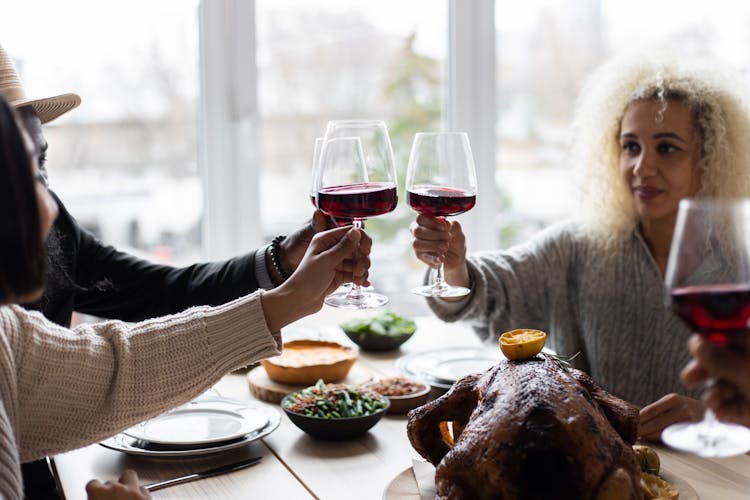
(134, 446)
(450, 370)
(442, 367)
(201, 422)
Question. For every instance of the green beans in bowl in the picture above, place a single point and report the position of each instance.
(334, 411)
(384, 332)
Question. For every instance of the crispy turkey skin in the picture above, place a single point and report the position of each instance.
(530, 430)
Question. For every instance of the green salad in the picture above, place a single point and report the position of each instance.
(388, 323)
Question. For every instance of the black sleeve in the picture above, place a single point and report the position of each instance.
(113, 284)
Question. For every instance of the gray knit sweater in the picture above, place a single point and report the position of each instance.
(63, 389)
(607, 305)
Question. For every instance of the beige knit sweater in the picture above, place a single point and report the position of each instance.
(63, 389)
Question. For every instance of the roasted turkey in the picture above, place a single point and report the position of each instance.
(531, 429)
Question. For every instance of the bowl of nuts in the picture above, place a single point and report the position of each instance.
(403, 393)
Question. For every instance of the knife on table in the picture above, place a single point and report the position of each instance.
(200, 475)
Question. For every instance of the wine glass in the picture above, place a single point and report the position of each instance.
(708, 285)
(315, 160)
(441, 181)
(337, 221)
(348, 187)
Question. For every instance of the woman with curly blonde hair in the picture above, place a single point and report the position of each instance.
(647, 134)
(720, 119)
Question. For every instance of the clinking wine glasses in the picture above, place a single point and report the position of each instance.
(440, 182)
(708, 282)
(356, 179)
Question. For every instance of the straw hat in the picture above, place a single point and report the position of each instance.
(48, 108)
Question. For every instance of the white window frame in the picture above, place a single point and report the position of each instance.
(228, 140)
(229, 145)
(471, 107)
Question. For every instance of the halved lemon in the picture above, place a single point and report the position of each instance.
(523, 343)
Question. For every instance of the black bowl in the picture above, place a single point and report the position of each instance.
(368, 341)
(333, 428)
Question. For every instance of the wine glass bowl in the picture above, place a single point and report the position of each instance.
(441, 182)
(708, 284)
(376, 145)
(337, 221)
(356, 179)
(358, 201)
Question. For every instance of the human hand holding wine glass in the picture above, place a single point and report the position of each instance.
(348, 187)
(729, 395)
(708, 281)
(440, 182)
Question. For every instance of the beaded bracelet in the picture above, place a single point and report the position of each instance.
(276, 258)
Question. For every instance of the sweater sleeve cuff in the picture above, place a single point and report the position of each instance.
(456, 310)
(238, 334)
(261, 271)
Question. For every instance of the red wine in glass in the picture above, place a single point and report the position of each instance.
(355, 178)
(358, 201)
(717, 311)
(337, 221)
(439, 201)
(708, 279)
(441, 182)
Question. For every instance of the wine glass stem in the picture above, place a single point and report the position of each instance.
(355, 293)
(439, 276)
(439, 272)
(709, 434)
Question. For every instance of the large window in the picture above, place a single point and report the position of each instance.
(329, 59)
(248, 85)
(125, 161)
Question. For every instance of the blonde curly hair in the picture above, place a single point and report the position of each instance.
(721, 117)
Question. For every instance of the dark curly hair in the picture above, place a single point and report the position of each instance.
(22, 257)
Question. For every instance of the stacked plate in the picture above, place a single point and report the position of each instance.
(442, 367)
(201, 427)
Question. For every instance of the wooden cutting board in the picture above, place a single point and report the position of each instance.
(269, 390)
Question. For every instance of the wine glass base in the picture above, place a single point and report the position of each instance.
(364, 300)
(720, 440)
(441, 291)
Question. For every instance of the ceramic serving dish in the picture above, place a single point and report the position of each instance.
(331, 422)
(385, 332)
(403, 393)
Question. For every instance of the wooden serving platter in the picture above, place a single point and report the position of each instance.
(404, 486)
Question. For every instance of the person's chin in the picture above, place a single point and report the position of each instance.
(651, 211)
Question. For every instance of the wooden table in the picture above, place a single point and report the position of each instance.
(297, 466)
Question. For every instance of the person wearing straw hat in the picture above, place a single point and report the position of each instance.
(61, 389)
(87, 276)
(119, 274)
